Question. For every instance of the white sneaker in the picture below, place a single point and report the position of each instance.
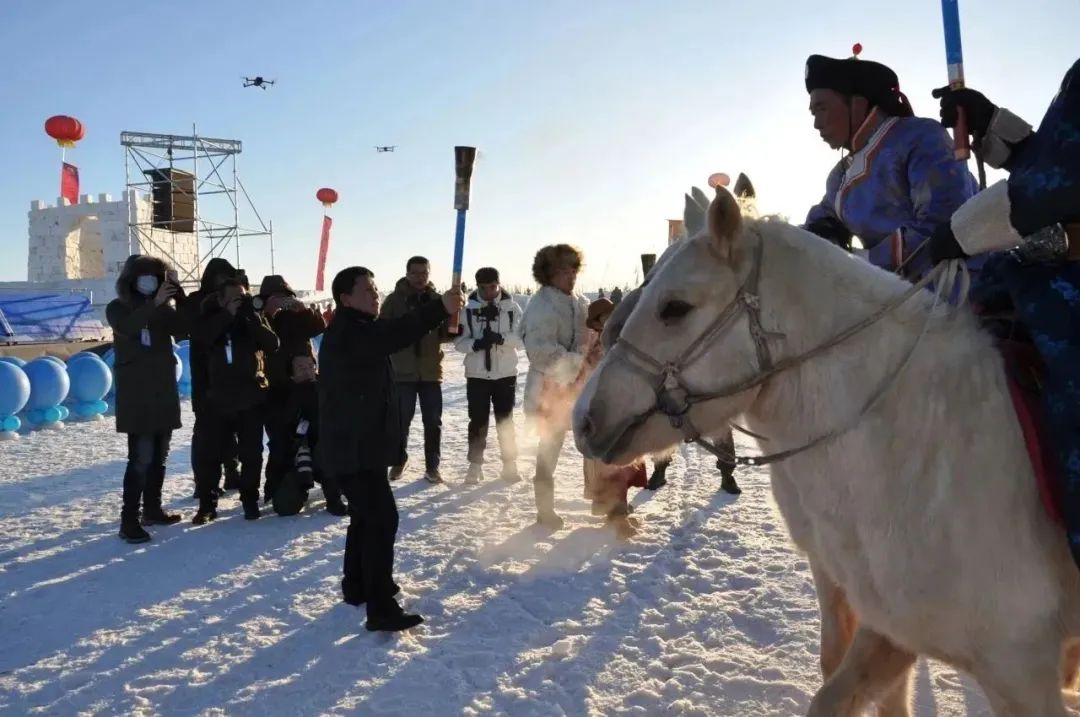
(475, 473)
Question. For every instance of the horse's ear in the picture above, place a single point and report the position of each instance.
(725, 221)
(694, 216)
(744, 188)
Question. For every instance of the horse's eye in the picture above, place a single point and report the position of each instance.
(674, 310)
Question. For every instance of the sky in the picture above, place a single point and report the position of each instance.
(591, 118)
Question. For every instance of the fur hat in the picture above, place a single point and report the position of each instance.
(851, 76)
(599, 309)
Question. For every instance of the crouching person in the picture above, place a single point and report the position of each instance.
(361, 432)
(144, 323)
(291, 465)
(236, 338)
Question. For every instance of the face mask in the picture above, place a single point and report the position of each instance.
(147, 284)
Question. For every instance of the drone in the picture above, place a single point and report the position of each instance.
(386, 148)
(257, 82)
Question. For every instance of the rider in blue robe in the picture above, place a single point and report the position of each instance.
(899, 179)
(1032, 221)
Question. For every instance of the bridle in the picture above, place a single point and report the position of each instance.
(675, 398)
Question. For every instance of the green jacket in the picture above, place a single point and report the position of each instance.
(422, 361)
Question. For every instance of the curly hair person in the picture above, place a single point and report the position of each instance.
(553, 257)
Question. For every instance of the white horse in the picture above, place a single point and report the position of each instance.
(921, 512)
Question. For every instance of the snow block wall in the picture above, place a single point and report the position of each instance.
(91, 240)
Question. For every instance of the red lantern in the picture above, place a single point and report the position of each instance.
(65, 130)
(327, 196)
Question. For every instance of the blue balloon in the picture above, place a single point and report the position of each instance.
(14, 389)
(54, 359)
(65, 412)
(90, 378)
(184, 388)
(13, 360)
(35, 416)
(49, 383)
(184, 352)
(100, 407)
(52, 414)
(11, 424)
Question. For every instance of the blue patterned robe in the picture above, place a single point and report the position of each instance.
(1044, 188)
(901, 175)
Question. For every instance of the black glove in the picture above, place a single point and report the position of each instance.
(832, 229)
(496, 338)
(943, 245)
(978, 110)
(483, 343)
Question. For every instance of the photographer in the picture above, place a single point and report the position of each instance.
(236, 338)
(295, 326)
(214, 275)
(147, 402)
(490, 339)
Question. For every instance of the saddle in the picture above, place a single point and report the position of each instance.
(1023, 373)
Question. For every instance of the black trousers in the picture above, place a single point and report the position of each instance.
(431, 404)
(217, 429)
(483, 395)
(145, 473)
(369, 542)
(230, 451)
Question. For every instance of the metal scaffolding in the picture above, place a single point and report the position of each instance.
(215, 191)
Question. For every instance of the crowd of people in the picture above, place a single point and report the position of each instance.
(342, 421)
(340, 417)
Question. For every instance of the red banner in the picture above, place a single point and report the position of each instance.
(69, 183)
(324, 247)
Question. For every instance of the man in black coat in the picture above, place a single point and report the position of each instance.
(217, 271)
(361, 435)
(236, 338)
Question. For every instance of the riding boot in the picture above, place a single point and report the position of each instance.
(727, 482)
(658, 479)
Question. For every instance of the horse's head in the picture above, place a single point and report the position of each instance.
(682, 335)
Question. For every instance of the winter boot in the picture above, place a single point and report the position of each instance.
(475, 473)
(132, 532)
(231, 471)
(727, 482)
(251, 510)
(658, 479)
(157, 516)
(433, 476)
(207, 511)
(152, 512)
(336, 506)
(397, 471)
(391, 619)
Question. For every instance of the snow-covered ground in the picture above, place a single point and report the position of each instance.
(707, 612)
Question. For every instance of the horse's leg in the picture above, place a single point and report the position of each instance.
(837, 621)
(896, 700)
(1070, 665)
(871, 669)
(1022, 679)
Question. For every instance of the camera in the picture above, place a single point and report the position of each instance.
(489, 312)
